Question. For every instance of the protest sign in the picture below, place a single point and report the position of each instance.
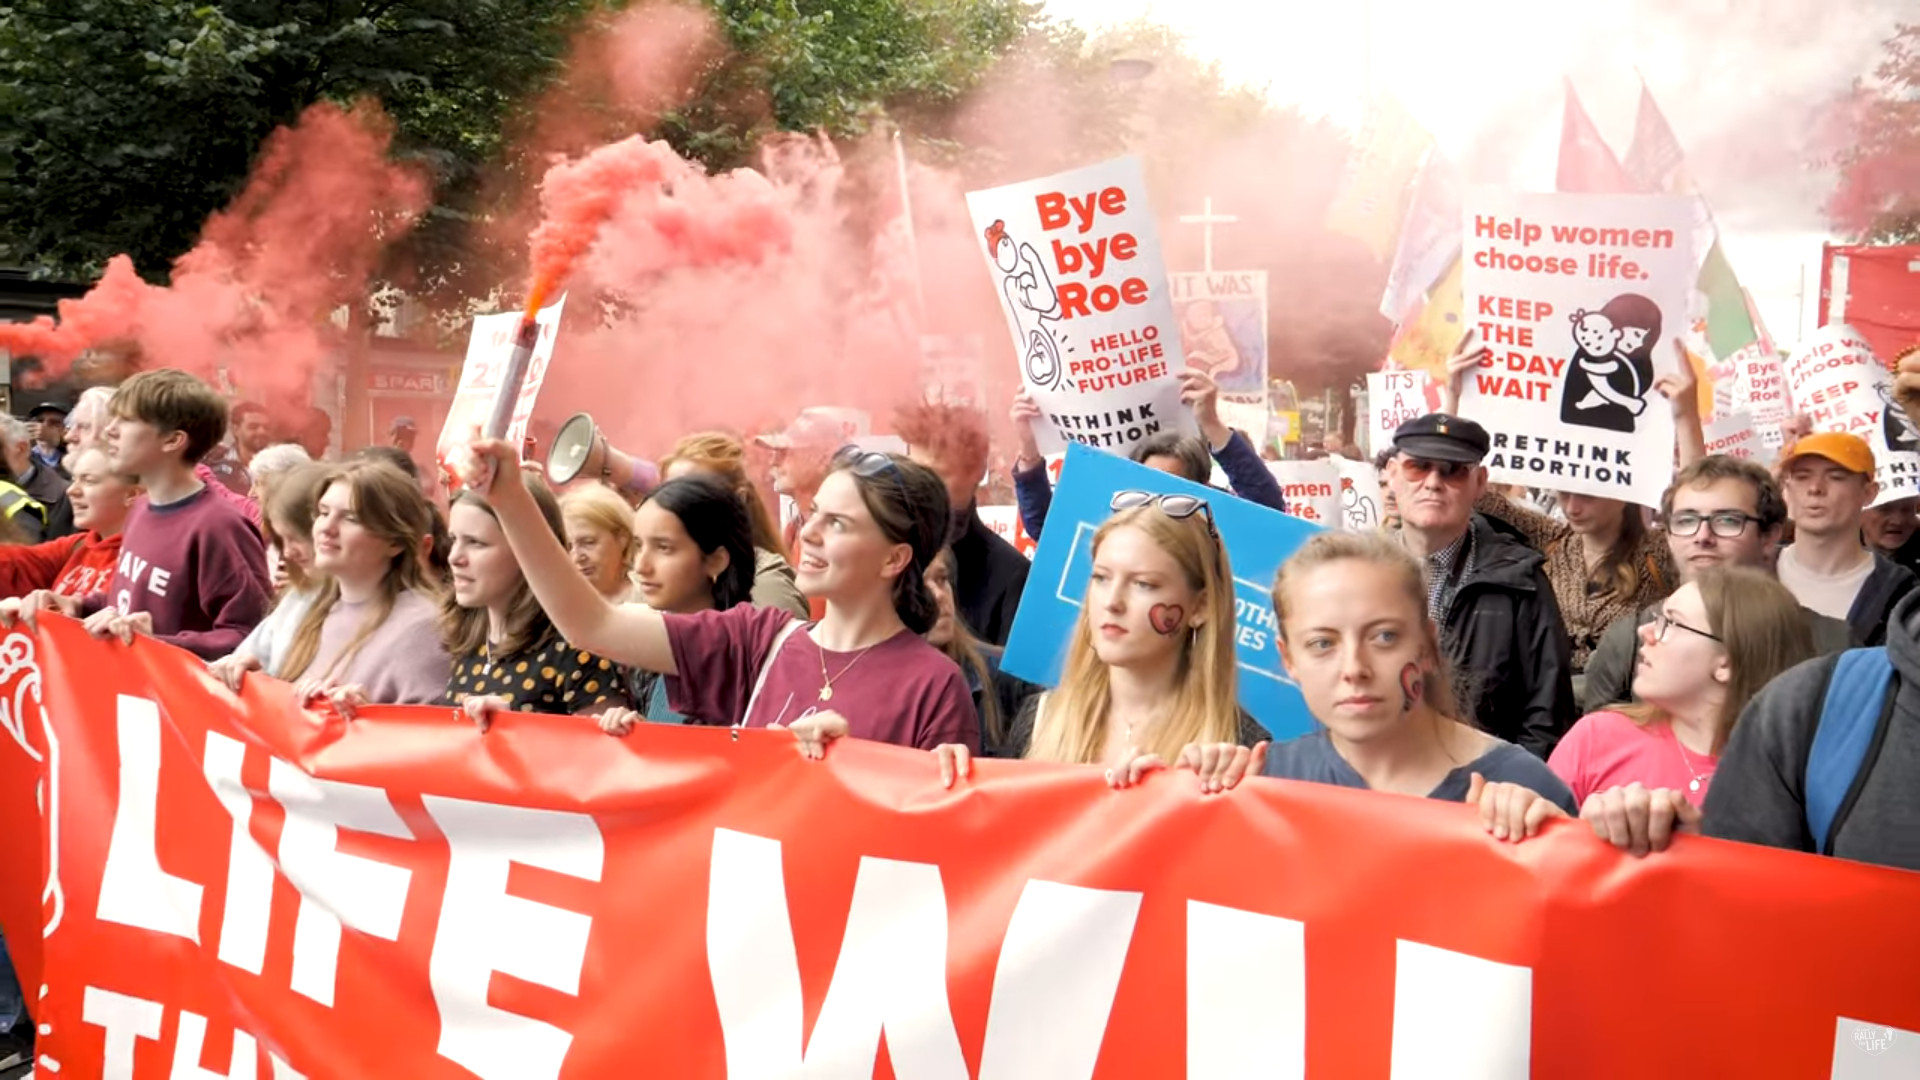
(1763, 389)
(1257, 541)
(1395, 397)
(237, 887)
(1733, 436)
(487, 351)
(1223, 328)
(1075, 260)
(1311, 488)
(952, 369)
(1359, 494)
(1580, 298)
(1838, 385)
(1005, 521)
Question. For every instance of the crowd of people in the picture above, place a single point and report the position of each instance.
(1743, 660)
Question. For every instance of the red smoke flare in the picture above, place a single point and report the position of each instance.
(256, 293)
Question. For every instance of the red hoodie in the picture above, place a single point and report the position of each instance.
(71, 566)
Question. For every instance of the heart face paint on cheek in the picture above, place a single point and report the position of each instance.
(1413, 686)
(1167, 618)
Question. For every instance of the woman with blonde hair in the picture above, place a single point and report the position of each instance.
(600, 539)
(722, 455)
(1150, 664)
(369, 634)
(1356, 637)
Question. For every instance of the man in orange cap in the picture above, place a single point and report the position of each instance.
(1827, 478)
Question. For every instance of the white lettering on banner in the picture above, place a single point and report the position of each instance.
(134, 891)
(335, 888)
(125, 1020)
(1054, 985)
(249, 904)
(188, 1038)
(546, 945)
(1457, 1015)
(1246, 994)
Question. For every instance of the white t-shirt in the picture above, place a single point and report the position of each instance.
(1831, 595)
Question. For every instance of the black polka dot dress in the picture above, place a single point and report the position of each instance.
(551, 677)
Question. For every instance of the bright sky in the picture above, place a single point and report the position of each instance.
(1740, 84)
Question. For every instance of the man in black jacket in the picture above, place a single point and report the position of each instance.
(988, 572)
(1487, 592)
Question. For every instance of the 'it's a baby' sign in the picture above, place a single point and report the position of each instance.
(1579, 298)
(1075, 260)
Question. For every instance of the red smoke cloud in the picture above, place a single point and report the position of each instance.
(256, 293)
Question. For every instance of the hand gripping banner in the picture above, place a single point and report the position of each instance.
(235, 887)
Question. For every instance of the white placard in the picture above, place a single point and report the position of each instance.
(1734, 436)
(1393, 398)
(1580, 298)
(1223, 328)
(487, 351)
(1359, 494)
(1075, 260)
(1837, 384)
(1312, 490)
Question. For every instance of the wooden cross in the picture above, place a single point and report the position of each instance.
(1207, 219)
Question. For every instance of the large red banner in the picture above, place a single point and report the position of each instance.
(1876, 290)
(236, 887)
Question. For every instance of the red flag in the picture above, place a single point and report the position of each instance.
(1587, 164)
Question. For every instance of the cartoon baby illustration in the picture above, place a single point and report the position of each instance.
(1034, 303)
(1612, 368)
(1208, 344)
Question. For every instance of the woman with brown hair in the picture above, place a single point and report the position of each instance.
(724, 456)
(1710, 648)
(287, 521)
(997, 696)
(368, 636)
(507, 654)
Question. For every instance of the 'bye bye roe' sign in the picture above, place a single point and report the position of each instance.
(1075, 260)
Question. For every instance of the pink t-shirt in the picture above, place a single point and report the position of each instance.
(1607, 750)
(902, 691)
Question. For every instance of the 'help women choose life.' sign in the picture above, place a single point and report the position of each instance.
(1580, 298)
(1838, 385)
(1075, 260)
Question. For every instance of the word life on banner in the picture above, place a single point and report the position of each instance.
(1075, 260)
(1837, 383)
(1223, 328)
(1580, 299)
(487, 351)
(1733, 435)
(1257, 541)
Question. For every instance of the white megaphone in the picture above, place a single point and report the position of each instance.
(581, 449)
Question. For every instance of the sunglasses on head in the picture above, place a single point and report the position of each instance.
(1450, 471)
(868, 464)
(1179, 507)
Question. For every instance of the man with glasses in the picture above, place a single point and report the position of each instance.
(1719, 511)
(1827, 479)
(1487, 592)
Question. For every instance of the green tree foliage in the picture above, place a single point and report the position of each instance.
(1878, 198)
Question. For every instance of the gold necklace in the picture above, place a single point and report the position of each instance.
(826, 683)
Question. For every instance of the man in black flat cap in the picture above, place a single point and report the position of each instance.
(1487, 592)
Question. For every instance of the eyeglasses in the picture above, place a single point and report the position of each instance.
(1726, 524)
(868, 464)
(1662, 622)
(1178, 507)
(1450, 471)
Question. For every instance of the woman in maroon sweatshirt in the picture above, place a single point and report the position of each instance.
(76, 565)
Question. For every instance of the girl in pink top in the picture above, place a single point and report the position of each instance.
(1712, 645)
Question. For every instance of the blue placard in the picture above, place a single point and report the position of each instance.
(1258, 540)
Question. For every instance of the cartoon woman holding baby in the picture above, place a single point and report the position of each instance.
(1611, 373)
